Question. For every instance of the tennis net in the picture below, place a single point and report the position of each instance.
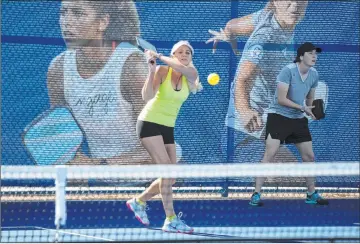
(87, 203)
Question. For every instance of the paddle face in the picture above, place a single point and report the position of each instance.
(53, 137)
(145, 45)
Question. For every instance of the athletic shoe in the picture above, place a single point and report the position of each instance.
(139, 210)
(316, 198)
(255, 200)
(177, 225)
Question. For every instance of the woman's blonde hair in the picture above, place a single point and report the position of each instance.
(195, 86)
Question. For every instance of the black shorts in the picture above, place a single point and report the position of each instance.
(287, 130)
(148, 129)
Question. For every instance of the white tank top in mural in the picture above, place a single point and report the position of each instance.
(98, 105)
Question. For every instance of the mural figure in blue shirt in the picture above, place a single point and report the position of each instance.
(269, 48)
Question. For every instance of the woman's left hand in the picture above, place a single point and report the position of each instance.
(151, 60)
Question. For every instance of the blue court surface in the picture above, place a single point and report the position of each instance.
(213, 220)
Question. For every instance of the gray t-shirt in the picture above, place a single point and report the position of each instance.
(298, 90)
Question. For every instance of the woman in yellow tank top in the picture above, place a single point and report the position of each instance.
(165, 90)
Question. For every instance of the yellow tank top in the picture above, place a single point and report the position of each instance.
(164, 108)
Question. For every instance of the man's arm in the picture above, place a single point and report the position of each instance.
(282, 89)
(249, 69)
(243, 86)
(310, 97)
(243, 26)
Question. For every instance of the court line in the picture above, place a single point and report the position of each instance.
(75, 234)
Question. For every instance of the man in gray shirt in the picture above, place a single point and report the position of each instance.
(286, 122)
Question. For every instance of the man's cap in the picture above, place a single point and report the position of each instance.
(307, 47)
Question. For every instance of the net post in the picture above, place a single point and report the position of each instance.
(60, 199)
